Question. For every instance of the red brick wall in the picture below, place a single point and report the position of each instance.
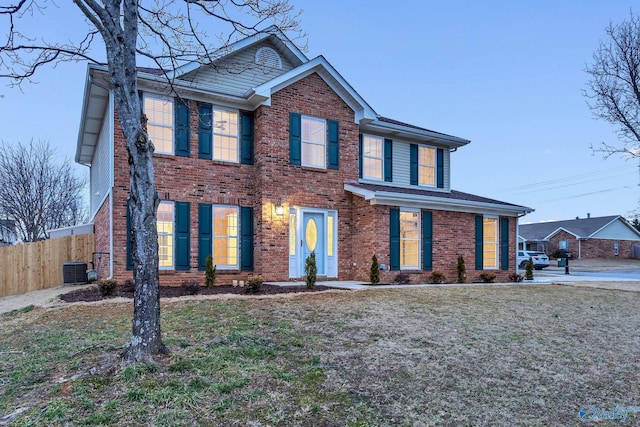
(101, 231)
(591, 248)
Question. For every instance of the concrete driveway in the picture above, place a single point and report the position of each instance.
(621, 274)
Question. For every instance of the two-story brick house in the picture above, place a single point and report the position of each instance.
(265, 156)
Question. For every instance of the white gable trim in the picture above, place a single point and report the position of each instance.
(241, 44)
(261, 95)
(557, 230)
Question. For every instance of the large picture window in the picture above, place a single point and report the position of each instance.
(490, 243)
(225, 237)
(159, 112)
(165, 227)
(225, 136)
(372, 157)
(314, 141)
(427, 166)
(409, 239)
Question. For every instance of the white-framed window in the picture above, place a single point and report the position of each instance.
(616, 248)
(314, 142)
(225, 237)
(372, 157)
(165, 225)
(293, 242)
(427, 166)
(225, 129)
(159, 112)
(490, 243)
(409, 239)
(563, 245)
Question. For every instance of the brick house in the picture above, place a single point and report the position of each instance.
(598, 237)
(268, 155)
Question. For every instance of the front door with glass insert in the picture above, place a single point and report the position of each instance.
(313, 239)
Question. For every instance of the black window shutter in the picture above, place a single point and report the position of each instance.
(394, 239)
(205, 225)
(360, 154)
(440, 168)
(333, 145)
(183, 238)
(504, 243)
(246, 239)
(129, 238)
(295, 138)
(388, 160)
(413, 164)
(246, 138)
(182, 131)
(427, 240)
(205, 135)
(479, 242)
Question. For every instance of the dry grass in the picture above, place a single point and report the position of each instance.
(521, 355)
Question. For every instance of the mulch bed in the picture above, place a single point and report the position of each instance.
(93, 294)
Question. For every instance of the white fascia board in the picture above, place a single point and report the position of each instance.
(241, 44)
(561, 229)
(437, 203)
(409, 133)
(83, 115)
(262, 94)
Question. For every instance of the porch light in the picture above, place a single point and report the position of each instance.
(279, 208)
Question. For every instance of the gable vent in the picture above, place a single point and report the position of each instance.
(268, 57)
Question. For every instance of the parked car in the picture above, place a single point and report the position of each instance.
(540, 259)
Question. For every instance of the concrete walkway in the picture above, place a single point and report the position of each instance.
(37, 298)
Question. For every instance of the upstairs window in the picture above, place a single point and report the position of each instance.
(225, 135)
(427, 166)
(314, 141)
(159, 112)
(372, 157)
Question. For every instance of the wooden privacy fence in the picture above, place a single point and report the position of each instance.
(28, 267)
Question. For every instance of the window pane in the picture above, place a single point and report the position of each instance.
(314, 135)
(427, 166)
(490, 242)
(164, 225)
(292, 234)
(225, 236)
(372, 160)
(225, 136)
(329, 236)
(159, 112)
(409, 239)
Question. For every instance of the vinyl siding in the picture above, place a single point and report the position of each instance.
(401, 168)
(616, 231)
(101, 169)
(238, 73)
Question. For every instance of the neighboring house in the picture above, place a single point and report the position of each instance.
(266, 156)
(602, 237)
(8, 235)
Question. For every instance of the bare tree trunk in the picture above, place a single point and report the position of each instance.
(146, 340)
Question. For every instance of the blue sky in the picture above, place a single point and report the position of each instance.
(506, 75)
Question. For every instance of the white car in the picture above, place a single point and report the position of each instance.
(540, 259)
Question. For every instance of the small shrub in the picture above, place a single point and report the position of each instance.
(128, 286)
(402, 279)
(210, 272)
(191, 287)
(528, 274)
(487, 277)
(107, 287)
(462, 271)
(253, 284)
(311, 271)
(374, 275)
(437, 277)
(515, 277)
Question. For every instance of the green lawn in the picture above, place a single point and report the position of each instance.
(521, 355)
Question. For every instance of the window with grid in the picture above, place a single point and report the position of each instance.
(165, 227)
(225, 135)
(409, 239)
(427, 166)
(372, 156)
(225, 237)
(159, 112)
(490, 243)
(314, 142)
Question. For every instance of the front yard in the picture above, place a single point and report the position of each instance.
(506, 355)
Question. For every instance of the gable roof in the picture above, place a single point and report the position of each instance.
(396, 129)
(379, 194)
(584, 228)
